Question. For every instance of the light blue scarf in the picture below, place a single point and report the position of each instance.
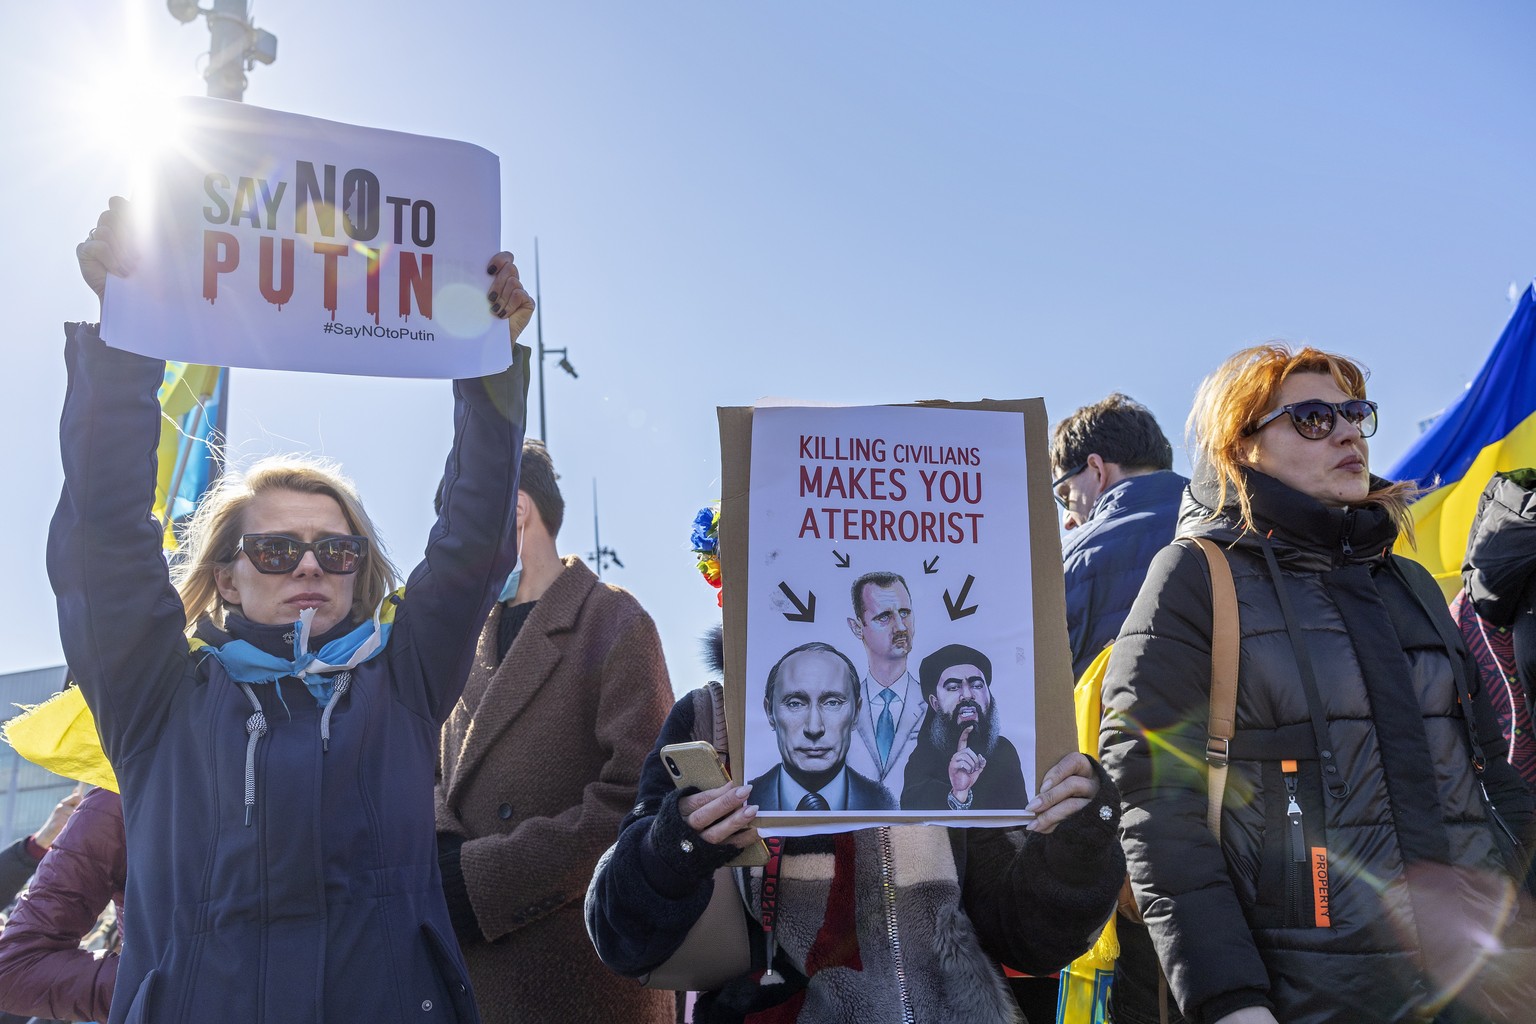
(247, 663)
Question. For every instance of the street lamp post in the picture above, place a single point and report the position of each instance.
(235, 46)
(538, 327)
(601, 556)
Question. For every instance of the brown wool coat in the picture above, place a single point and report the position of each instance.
(538, 765)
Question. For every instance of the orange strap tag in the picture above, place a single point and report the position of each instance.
(1288, 767)
(1319, 866)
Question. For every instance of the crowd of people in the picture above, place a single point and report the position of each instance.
(343, 799)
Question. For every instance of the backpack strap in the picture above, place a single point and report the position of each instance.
(1225, 645)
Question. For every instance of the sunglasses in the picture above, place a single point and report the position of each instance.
(1056, 485)
(274, 553)
(1315, 420)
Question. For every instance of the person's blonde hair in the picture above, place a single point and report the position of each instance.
(216, 527)
(1241, 391)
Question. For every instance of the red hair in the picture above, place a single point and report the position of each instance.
(1241, 390)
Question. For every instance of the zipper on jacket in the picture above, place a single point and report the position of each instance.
(888, 891)
(1349, 526)
(1296, 865)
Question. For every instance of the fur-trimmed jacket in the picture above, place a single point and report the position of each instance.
(881, 924)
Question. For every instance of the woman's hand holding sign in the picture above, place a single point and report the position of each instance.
(108, 248)
(509, 299)
(1066, 789)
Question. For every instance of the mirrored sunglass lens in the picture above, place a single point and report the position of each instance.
(1313, 419)
(339, 554)
(276, 554)
(1362, 415)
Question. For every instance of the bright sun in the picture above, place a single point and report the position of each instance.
(121, 109)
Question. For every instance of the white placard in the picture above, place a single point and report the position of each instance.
(278, 241)
(939, 498)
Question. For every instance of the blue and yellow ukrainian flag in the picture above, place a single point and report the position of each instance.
(1490, 428)
(189, 398)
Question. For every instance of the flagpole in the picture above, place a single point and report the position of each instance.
(235, 45)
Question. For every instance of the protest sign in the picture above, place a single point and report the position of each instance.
(277, 241)
(896, 645)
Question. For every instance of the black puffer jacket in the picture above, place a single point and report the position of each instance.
(1500, 571)
(1413, 871)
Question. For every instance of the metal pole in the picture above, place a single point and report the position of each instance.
(228, 31)
(538, 326)
(597, 543)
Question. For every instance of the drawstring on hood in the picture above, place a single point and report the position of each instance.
(248, 663)
(256, 728)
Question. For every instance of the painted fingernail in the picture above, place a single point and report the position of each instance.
(491, 269)
(750, 811)
(742, 792)
(496, 308)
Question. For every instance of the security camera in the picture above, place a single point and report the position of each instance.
(263, 46)
(565, 364)
(183, 10)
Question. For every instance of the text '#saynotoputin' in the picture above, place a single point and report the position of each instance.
(355, 221)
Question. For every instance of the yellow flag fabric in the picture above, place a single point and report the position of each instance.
(60, 735)
(1085, 984)
(1490, 429)
(189, 406)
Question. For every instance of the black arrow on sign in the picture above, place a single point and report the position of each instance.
(931, 566)
(840, 559)
(956, 607)
(807, 612)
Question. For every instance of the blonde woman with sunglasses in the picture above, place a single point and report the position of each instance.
(1358, 877)
(272, 718)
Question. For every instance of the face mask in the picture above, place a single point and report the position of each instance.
(515, 576)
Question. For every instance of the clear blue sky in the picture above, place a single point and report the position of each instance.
(854, 202)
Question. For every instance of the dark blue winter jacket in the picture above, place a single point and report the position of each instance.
(328, 907)
(1105, 559)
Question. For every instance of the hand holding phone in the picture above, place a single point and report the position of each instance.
(696, 765)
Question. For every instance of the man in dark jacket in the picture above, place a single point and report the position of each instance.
(1112, 467)
(1113, 473)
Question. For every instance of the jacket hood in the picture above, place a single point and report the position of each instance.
(1501, 550)
(1306, 534)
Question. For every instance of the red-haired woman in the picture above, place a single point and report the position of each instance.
(1358, 877)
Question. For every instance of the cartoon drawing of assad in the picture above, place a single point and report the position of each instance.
(891, 715)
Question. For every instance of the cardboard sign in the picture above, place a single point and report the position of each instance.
(895, 641)
(277, 241)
